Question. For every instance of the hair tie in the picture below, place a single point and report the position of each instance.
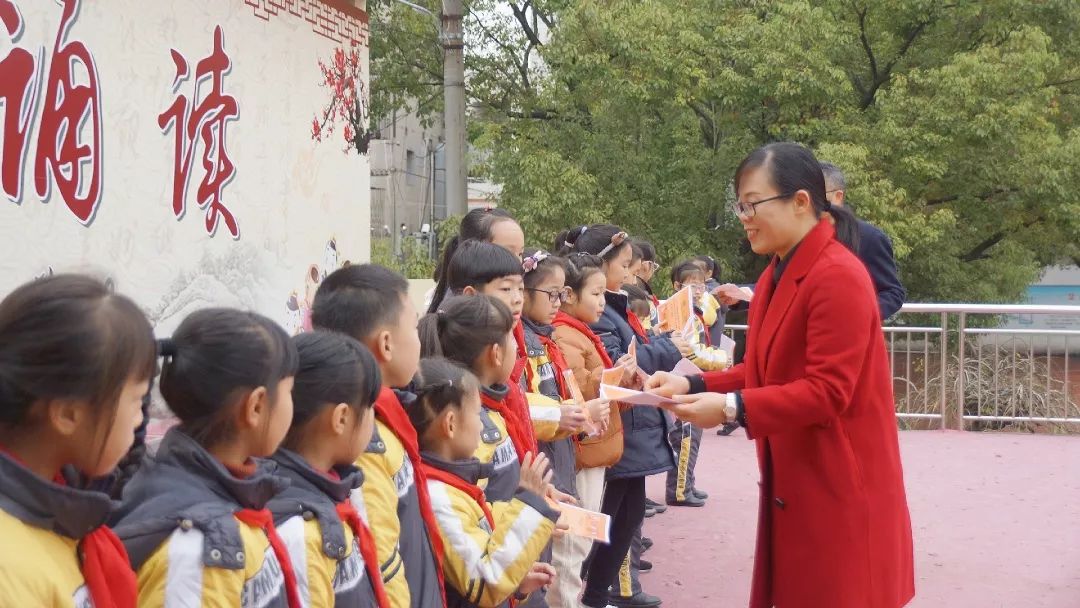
(530, 263)
(828, 205)
(166, 347)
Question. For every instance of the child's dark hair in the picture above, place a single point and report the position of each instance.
(648, 252)
(477, 225)
(213, 358)
(539, 265)
(439, 384)
(636, 253)
(793, 167)
(476, 264)
(638, 300)
(69, 336)
(359, 300)
(684, 270)
(463, 327)
(712, 267)
(581, 266)
(604, 240)
(333, 369)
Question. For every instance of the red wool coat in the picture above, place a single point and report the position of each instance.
(833, 524)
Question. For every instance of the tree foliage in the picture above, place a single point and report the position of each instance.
(956, 122)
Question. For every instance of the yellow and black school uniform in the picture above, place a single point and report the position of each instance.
(489, 548)
(331, 548)
(398, 508)
(56, 548)
(198, 535)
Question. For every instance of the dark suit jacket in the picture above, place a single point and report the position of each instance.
(876, 253)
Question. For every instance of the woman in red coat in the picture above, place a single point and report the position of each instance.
(815, 393)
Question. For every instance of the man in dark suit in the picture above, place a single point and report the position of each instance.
(875, 249)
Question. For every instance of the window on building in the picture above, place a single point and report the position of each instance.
(412, 168)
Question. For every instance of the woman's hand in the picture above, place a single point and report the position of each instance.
(730, 294)
(571, 418)
(667, 384)
(540, 575)
(705, 409)
(535, 474)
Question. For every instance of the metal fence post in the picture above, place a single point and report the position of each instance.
(944, 369)
(960, 326)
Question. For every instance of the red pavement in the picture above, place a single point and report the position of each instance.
(996, 519)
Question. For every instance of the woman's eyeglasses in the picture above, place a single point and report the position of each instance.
(555, 297)
(748, 209)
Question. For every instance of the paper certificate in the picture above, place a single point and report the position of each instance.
(575, 392)
(632, 397)
(585, 523)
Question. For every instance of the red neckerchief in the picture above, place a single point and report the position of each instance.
(566, 320)
(262, 519)
(105, 565)
(522, 353)
(635, 324)
(558, 364)
(388, 409)
(471, 490)
(349, 515)
(518, 406)
(513, 427)
(701, 317)
(655, 300)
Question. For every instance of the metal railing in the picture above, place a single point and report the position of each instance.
(956, 367)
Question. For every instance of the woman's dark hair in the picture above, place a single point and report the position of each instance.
(333, 369)
(68, 336)
(476, 264)
(581, 266)
(648, 252)
(793, 167)
(542, 269)
(463, 327)
(682, 271)
(439, 384)
(712, 267)
(604, 240)
(213, 358)
(476, 225)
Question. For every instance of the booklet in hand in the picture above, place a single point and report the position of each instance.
(591, 428)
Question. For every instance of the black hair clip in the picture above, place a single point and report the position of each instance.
(166, 347)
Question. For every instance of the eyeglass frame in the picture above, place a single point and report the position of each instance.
(554, 297)
(737, 206)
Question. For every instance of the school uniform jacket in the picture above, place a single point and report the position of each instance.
(326, 555)
(496, 449)
(41, 523)
(560, 448)
(646, 450)
(188, 548)
(485, 564)
(833, 523)
(407, 562)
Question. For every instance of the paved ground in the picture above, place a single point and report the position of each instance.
(996, 519)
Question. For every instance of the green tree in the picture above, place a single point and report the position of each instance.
(955, 122)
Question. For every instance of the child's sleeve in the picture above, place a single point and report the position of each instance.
(488, 567)
(175, 576)
(313, 569)
(380, 503)
(545, 413)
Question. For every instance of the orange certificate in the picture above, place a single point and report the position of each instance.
(585, 523)
(677, 310)
(575, 391)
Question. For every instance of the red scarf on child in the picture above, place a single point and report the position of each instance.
(563, 319)
(635, 324)
(388, 409)
(518, 406)
(105, 565)
(348, 514)
(262, 519)
(522, 440)
(471, 490)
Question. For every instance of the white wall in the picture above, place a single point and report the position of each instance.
(290, 195)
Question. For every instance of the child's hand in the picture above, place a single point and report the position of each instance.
(556, 496)
(630, 370)
(561, 530)
(540, 575)
(572, 418)
(600, 411)
(685, 348)
(535, 474)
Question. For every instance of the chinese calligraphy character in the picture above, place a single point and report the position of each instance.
(61, 154)
(205, 115)
(18, 92)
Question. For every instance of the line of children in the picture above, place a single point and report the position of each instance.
(491, 546)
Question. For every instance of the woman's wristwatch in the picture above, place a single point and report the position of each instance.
(731, 407)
